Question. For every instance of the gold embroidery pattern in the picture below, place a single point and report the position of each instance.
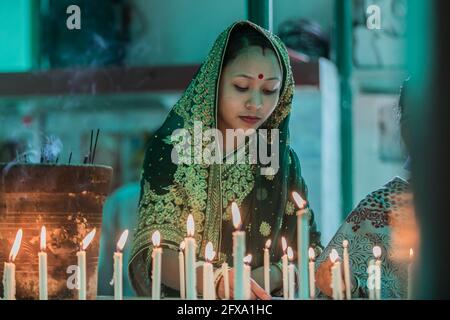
(265, 229)
(290, 208)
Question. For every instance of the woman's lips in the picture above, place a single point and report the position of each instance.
(249, 119)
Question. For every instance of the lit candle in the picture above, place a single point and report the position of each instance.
(348, 291)
(267, 267)
(81, 256)
(191, 278)
(377, 255)
(284, 260)
(247, 276)
(336, 275)
(209, 292)
(181, 268)
(312, 278)
(9, 272)
(42, 256)
(291, 274)
(238, 254)
(302, 245)
(226, 280)
(156, 264)
(118, 262)
(410, 265)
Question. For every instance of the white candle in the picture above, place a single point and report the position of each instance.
(191, 277)
(247, 276)
(377, 255)
(81, 257)
(410, 265)
(156, 266)
(118, 267)
(336, 276)
(284, 261)
(181, 269)
(302, 245)
(267, 267)
(291, 274)
(9, 271)
(348, 291)
(42, 257)
(226, 280)
(238, 254)
(209, 292)
(312, 277)
(371, 279)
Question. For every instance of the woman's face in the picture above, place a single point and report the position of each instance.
(249, 89)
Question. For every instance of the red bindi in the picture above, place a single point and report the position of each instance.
(260, 76)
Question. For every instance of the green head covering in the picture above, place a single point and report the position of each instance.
(170, 192)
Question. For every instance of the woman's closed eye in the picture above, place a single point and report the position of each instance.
(265, 91)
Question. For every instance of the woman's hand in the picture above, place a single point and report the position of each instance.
(256, 292)
(323, 278)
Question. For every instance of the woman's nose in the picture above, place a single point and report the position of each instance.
(255, 101)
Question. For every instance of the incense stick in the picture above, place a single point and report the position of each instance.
(95, 146)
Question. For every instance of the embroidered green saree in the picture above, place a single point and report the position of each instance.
(170, 192)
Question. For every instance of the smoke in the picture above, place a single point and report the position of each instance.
(51, 149)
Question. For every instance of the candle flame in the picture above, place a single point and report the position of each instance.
(268, 243)
(248, 259)
(334, 255)
(298, 200)
(236, 216)
(209, 251)
(411, 253)
(156, 238)
(311, 253)
(345, 243)
(290, 253)
(122, 240)
(182, 245)
(87, 240)
(16, 246)
(190, 226)
(43, 238)
(283, 244)
(376, 252)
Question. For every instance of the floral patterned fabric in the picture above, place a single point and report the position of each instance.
(170, 192)
(372, 223)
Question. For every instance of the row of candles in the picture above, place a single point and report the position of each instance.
(242, 272)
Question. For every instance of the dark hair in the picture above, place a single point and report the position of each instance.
(242, 37)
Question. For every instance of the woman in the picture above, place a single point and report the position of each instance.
(245, 83)
(384, 218)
